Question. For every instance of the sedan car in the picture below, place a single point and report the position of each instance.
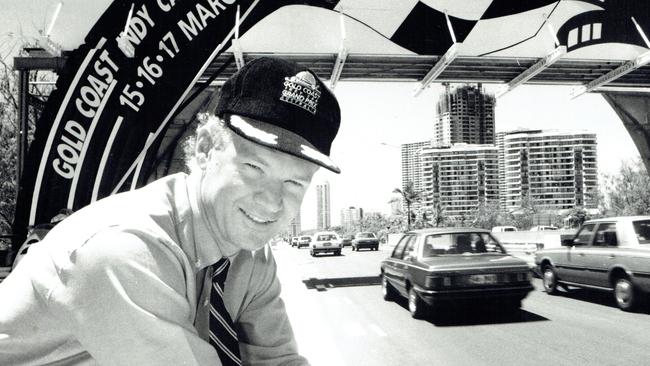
(303, 241)
(365, 240)
(610, 254)
(325, 242)
(346, 240)
(447, 265)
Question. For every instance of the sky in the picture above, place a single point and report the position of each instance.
(377, 117)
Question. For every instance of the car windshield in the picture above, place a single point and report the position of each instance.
(365, 235)
(642, 230)
(460, 243)
(326, 237)
(305, 238)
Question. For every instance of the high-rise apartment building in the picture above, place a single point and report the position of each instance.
(294, 226)
(465, 114)
(323, 206)
(556, 170)
(459, 178)
(411, 163)
(351, 217)
(502, 171)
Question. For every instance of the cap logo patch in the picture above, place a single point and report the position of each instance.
(301, 90)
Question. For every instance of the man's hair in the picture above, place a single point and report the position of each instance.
(217, 129)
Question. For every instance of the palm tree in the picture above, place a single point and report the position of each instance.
(409, 196)
(438, 215)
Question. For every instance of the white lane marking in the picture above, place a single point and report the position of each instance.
(375, 328)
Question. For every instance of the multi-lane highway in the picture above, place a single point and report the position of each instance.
(340, 318)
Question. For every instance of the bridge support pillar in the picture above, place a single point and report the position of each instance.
(634, 111)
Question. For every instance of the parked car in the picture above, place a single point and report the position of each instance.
(610, 254)
(346, 240)
(365, 239)
(325, 242)
(543, 228)
(501, 229)
(294, 241)
(442, 265)
(303, 241)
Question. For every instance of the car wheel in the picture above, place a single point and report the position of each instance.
(338, 252)
(312, 253)
(417, 307)
(387, 291)
(625, 294)
(549, 279)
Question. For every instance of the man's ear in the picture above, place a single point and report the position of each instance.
(204, 144)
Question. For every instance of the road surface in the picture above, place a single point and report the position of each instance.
(340, 318)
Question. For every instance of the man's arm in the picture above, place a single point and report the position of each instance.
(266, 337)
(124, 297)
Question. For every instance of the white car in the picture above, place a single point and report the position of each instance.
(325, 242)
(543, 228)
(303, 241)
(610, 254)
(502, 229)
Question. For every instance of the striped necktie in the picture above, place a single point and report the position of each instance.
(222, 333)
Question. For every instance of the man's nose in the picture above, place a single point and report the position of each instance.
(269, 196)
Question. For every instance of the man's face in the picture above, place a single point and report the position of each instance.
(249, 192)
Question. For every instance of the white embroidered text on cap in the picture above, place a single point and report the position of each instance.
(302, 90)
(252, 131)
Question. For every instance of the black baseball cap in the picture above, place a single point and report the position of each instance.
(284, 106)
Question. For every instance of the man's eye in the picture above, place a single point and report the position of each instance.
(253, 166)
(295, 183)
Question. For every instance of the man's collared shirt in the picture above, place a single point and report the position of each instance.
(126, 281)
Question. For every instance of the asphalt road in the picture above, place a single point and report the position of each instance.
(340, 318)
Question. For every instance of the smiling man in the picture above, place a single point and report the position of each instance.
(178, 272)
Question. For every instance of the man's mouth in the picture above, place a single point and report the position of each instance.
(257, 219)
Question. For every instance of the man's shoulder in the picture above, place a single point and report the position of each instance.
(145, 212)
(119, 244)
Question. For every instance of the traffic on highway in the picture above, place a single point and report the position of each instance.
(338, 310)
